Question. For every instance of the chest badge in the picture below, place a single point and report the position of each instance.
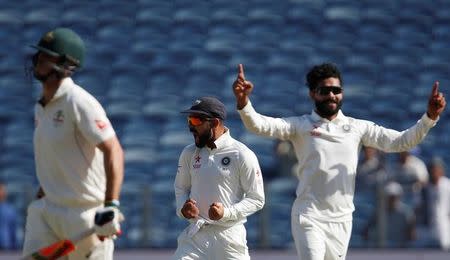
(58, 118)
(226, 161)
(346, 128)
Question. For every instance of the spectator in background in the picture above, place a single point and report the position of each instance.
(411, 172)
(436, 205)
(286, 160)
(8, 221)
(370, 169)
(399, 228)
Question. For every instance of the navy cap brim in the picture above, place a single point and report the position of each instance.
(193, 111)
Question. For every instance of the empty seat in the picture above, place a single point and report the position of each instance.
(349, 13)
(43, 15)
(118, 13)
(108, 32)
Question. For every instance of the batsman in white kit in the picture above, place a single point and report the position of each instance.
(217, 186)
(79, 160)
(327, 144)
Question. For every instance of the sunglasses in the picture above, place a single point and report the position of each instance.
(324, 91)
(196, 121)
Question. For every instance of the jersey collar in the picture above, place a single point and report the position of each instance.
(66, 84)
(223, 139)
(63, 88)
(339, 118)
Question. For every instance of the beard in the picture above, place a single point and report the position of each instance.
(202, 139)
(324, 110)
(40, 77)
(44, 77)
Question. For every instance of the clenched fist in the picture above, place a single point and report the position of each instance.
(216, 211)
(190, 209)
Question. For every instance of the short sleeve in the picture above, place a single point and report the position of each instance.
(91, 120)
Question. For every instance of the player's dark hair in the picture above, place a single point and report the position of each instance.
(321, 72)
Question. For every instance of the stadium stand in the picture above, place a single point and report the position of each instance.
(148, 59)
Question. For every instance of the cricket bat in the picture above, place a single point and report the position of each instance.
(68, 245)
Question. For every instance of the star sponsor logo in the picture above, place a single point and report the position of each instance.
(197, 159)
(314, 131)
(197, 163)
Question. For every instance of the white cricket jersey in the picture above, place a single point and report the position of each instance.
(413, 169)
(327, 153)
(229, 174)
(439, 210)
(69, 167)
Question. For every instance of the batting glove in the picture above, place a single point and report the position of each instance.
(107, 222)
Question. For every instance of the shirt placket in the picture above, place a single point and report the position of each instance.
(211, 158)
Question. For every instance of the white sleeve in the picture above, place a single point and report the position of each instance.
(251, 180)
(265, 125)
(182, 183)
(91, 120)
(389, 140)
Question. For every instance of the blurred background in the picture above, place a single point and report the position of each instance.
(147, 60)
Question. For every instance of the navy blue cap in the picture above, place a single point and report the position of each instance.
(208, 106)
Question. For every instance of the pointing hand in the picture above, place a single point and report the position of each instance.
(436, 102)
(242, 88)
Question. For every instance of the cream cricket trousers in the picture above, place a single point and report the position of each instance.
(318, 240)
(47, 223)
(213, 242)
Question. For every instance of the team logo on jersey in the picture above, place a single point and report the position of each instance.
(58, 118)
(226, 160)
(346, 128)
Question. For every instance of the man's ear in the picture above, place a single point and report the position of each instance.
(311, 94)
(215, 122)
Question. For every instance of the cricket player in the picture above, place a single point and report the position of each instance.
(327, 144)
(79, 160)
(218, 184)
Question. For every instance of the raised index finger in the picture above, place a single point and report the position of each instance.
(435, 90)
(241, 71)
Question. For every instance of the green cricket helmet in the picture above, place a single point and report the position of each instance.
(63, 42)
